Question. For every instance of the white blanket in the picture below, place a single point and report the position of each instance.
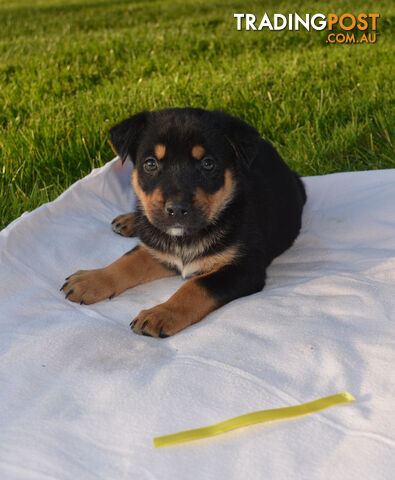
(81, 396)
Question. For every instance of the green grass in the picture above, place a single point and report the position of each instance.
(70, 70)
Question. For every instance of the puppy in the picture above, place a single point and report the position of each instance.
(216, 204)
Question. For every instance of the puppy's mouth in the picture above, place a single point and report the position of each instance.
(179, 229)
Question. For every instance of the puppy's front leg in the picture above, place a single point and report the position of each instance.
(197, 298)
(134, 268)
(124, 225)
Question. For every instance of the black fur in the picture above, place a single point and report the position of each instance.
(261, 220)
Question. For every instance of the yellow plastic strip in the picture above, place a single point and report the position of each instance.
(253, 418)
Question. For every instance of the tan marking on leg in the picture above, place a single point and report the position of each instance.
(124, 225)
(214, 203)
(150, 202)
(160, 151)
(91, 286)
(198, 151)
(187, 306)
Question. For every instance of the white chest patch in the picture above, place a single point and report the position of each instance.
(175, 231)
(186, 269)
(189, 270)
(190, 263)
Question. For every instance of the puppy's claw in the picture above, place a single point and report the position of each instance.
(162, 334)
(69, 293)
(124, 225)
(63, 286)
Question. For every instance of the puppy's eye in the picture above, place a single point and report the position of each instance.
(207, 163)
(150, 164)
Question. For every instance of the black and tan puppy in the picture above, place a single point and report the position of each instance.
(215, 203)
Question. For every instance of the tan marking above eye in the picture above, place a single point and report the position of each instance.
(198, 151)
(160, 150)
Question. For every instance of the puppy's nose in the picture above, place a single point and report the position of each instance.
(176, 210)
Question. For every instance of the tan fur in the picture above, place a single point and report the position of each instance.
(188, 268)
(150, 202)
(124, 225)
(198, 151)
(211, 263)
(135, 268)
(163, 256)
(187, 306)
(214, 203)
(160, 151)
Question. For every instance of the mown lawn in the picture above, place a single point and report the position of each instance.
(71, 69)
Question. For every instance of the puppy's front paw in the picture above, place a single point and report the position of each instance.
(124, 225)
(89, 286)
(159, 321)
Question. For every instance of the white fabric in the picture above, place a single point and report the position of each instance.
(81, 396)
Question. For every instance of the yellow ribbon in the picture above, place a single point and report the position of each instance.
(253, 418)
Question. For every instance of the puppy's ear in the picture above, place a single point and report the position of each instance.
(125, 135)
(243, 138)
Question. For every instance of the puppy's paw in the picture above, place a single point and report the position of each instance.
(159, 321)
(124, 225)
(89, 286)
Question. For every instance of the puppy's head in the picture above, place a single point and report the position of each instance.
(188, 164)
